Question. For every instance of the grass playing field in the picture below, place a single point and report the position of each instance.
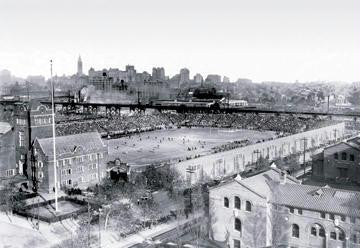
(175, 144)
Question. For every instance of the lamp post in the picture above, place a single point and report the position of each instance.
(191, 171)
(99, 212)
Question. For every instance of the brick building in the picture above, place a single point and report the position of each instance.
(272, 209)
(339, 162)
(80, 161)
(32, 120)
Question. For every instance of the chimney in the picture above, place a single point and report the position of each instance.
(273, 165)
(238, 178)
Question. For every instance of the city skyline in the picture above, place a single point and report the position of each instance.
(277, 41)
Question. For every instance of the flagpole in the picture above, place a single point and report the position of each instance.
(53, 134)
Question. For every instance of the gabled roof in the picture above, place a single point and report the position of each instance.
(322, 199)
(353, 142)
(72, 143)
(258, 184)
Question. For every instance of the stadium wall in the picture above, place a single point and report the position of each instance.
(222, 164)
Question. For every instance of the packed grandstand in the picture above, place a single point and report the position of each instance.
(140, 121)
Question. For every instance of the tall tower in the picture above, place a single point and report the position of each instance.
(79, 67)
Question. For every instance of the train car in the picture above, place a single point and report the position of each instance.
(238, 103)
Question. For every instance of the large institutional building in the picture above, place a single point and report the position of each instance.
(80, 161)
(273, 209)
(29, 151)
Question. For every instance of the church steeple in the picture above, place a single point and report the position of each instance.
(79, 66)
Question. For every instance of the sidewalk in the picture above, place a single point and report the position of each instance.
(108, 241)
(17, 231)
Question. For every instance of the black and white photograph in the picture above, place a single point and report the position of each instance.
(180, 124)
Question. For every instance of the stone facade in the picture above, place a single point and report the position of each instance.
(248, 213)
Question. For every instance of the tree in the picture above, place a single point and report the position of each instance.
(353, 97)
(9, 197)
(82, 238)
(254, 233)
(268, 216)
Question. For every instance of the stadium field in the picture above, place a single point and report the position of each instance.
(174, 144)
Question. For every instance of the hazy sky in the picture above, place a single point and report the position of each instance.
(282, 40)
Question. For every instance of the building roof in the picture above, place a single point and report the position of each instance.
(353, 142)
(269, 185)
(258, 183)
(4, 127)
(322, 199)
(72, 143)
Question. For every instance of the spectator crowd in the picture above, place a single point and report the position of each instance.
(139, 121)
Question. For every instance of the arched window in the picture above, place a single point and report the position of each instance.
(237, 202)
(338, 234)
(336, 156)
(313, 231)
(343, 155)
(317, 230)
(226, 202)
(237, 224)
(248, 206)
(341, 235)
(295, 231)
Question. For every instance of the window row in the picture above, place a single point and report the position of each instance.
(237, 203)
(78, 159)
(43, 121)
(10, 172)
(292, 210)
(344, 156)
(79, 169)
(21, 121)
(342, 217)
(319, 231)
(70, 182)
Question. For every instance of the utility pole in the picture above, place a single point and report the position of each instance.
(257, 152)
(335, 132)
(304, 140)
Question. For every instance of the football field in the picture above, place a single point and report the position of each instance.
(175, 144)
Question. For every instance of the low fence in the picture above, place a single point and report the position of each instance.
(54, 218)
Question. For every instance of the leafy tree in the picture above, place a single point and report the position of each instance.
(9, 198)
(354, 96)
